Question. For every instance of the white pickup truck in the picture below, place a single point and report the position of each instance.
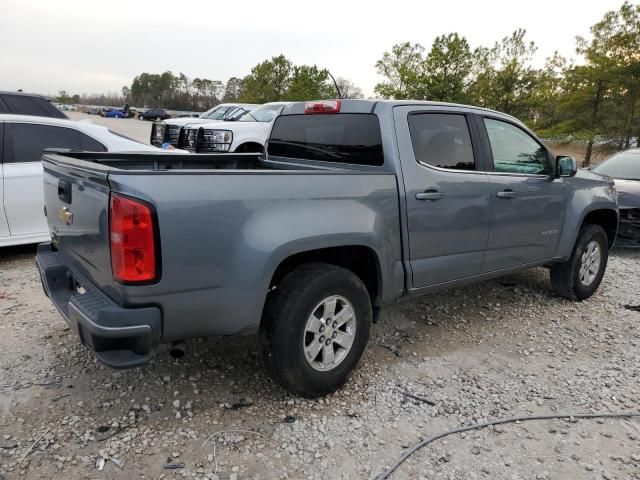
(22, 140)
(247, 134)
(167, 131)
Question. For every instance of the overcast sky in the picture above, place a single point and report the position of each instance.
(92, 46)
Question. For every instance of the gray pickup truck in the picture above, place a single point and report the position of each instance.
(354, 203)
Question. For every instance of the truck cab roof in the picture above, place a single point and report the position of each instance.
(373, 106)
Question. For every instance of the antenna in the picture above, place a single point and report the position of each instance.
(335, 84)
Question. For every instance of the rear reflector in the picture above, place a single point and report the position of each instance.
(322, 106)
(132, 240)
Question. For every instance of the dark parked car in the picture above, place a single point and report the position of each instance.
(624, 168)
(20, 103)
(154, 114)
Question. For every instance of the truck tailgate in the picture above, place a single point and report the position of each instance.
(77, 209)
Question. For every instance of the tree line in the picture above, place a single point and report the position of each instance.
(595, 101)
(276, 79)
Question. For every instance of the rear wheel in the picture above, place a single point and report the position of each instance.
(580, 276)
(315, 329)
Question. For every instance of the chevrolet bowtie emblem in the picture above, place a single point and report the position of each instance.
(65, 216)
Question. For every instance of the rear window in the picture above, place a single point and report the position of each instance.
(343, 138)
(25, 105)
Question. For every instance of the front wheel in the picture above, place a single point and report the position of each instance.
(315, 329)
(580, 276)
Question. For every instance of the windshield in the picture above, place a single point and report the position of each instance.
(216, 113)
(265, 113)
(625, 166)
(236, 114)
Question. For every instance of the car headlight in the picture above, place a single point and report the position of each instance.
(160, 126)
(217, 136)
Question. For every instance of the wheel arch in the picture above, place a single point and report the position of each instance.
(604, 214)
(362, 260)
(607, 218)
(249, 146)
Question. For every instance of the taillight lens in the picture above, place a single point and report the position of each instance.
(132, 239)
(322, 106)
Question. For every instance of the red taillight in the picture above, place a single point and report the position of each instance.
(131, 233)
(322, 106)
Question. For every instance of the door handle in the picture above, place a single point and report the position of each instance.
(506, 194)
(431, 195)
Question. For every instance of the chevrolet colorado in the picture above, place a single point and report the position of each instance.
(353, 203)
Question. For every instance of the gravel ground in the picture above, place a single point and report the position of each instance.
(498, 349)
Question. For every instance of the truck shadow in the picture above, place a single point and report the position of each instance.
(227, 373)
(9, 255)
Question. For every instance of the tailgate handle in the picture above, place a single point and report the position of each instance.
(64, 191)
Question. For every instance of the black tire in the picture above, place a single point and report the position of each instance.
(282, 331)
(565, 277)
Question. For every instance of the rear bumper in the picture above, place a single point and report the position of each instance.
(120, 337)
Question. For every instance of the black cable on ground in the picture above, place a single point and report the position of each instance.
(499, 421)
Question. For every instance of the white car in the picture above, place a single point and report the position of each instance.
(247, 134)
(22, 139)
(168, 131)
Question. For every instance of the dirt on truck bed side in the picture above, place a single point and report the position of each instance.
(497, 349)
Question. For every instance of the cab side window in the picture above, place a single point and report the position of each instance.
(514, 150)
(442, 140)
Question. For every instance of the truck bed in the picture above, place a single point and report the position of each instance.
(162, 161)
(224, 222)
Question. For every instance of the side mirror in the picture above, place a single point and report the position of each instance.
(566, 166)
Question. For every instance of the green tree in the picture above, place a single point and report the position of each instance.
(601, 95)
(232, 90)
(620, 31)
(309, 83)
(174, 91)
(403, 71)
(503, 76)
(268, 81)
(447, 69)
(548, 93)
